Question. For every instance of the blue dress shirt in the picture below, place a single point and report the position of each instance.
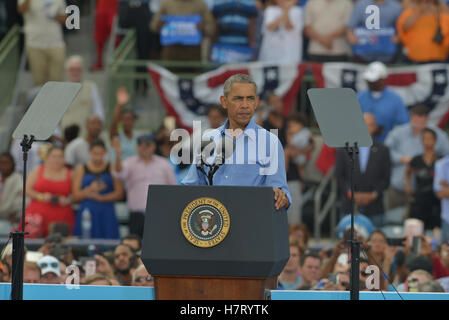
(389, 110)
(258, 160)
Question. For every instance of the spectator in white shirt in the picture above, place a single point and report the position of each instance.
(44, 40)
(282, 33)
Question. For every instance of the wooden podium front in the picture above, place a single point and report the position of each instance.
(214, 242)
(217, 288)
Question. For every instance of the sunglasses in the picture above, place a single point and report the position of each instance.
(147, 279)
(44, 265)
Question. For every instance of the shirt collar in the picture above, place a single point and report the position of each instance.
(250, 126)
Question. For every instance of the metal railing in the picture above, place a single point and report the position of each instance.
(9, 65)
(10, 61)
(321, 211)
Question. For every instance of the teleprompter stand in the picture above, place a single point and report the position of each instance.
(341, 122)
(38, 124)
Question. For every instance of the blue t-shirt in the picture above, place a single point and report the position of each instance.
(389, 110)
(389, 12)
(233, 20)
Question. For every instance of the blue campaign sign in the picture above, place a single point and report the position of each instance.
(181, 29)
(374, 41)
(227, 53)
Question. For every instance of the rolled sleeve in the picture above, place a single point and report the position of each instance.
(279, 178)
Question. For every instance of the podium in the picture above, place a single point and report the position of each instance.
(214, 242)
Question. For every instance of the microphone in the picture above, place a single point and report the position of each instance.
(225, 149)
(207, 149)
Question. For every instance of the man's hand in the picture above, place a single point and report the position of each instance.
(280, 199)
(405, 159)
(444, 184)
(122, 96)
(426, 249)
(352, 38)
(326, 41)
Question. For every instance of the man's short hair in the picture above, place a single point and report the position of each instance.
(419, 109)
(309, 254)
(133, 237)
(75, 58)
(237, 78)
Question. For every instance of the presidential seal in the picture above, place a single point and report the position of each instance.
(205, 222)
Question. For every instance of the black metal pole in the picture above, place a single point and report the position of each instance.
(355, 244)
(18, 237)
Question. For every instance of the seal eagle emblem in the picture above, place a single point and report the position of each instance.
(205, 222)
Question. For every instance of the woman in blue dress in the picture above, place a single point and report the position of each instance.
(97, 191)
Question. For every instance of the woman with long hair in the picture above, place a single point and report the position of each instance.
(96, 190)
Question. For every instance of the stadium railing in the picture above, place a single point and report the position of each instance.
(9, 66)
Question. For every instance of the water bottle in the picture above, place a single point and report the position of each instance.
(86, 224)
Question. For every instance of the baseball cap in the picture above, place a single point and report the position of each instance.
(146, 138)
(49, 264)
(375, 71)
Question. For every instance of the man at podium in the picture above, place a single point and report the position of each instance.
(257, 158)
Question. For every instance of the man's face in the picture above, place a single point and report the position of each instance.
(122, 260)
(128, 120)
(74, 72)
(215, 118)
(418, 122)
(146, 149)
(311, 270)
(94, 127)
(241, 103)
(377, 86)
(31, 276)
(50, 278)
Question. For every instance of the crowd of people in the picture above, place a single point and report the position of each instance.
(77, 177)
(413, 31)
(401, 267)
